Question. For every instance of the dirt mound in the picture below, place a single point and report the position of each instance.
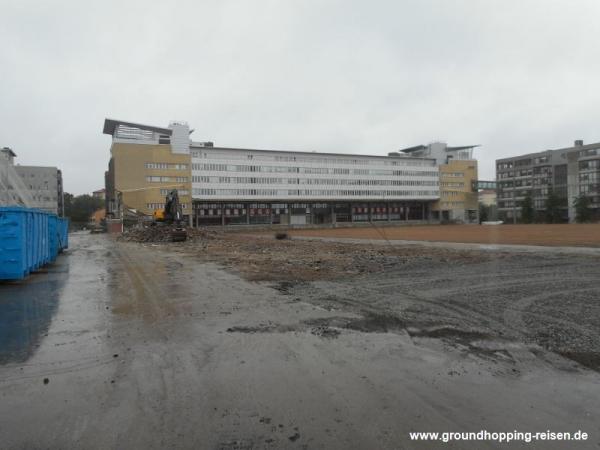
(163, 233)
(156, 233)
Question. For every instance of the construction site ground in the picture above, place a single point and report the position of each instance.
(244, 341)
(555, 235)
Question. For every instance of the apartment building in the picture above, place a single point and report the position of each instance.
(583, 176)
(568, 172)
(254, 186)
(44, 185)
(457, 180)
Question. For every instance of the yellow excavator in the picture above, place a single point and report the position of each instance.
(172, 215)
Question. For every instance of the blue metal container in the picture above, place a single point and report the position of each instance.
(62, 233)
(29, 239)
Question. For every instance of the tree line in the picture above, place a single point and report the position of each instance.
(79, 208)
(553, 209)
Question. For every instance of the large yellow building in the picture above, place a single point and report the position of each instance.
(146, 163)
(458, 181)
(458, 192)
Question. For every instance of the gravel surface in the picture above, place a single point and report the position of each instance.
(479, 300)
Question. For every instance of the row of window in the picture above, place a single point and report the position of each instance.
(589, 152)
(523, 162)
(451, 204)
(310, 192)
(543, 192)
(453, 174)
(228, 156)
(170, 166)
(311, 170)
(593, 164)
(358, 207)
(179, 191)
(157, 179)
(452, 184)
(451, 193)
(589, 189)
(159, 206)
(589, 178)
(311, 181)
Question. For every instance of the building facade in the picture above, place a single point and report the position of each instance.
(567, 172)
(458, 179)
(250, 186)
(146, 163)
(231, 185)
(44, 185)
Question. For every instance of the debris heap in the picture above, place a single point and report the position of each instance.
(162, 233)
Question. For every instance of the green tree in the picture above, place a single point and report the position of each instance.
(527, 211)
(583, 208)
(79, 208)
(553, 207)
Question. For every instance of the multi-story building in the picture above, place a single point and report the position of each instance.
(146, 163)
(44, 185)
(583, 176)
(250, 186)
(568, 172)
(458, 178)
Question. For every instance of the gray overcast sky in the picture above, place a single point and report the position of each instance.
(328, 75)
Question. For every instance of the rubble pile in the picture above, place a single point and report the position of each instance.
(163, 233)
(152, 233)
(266, 258)
(201, 234)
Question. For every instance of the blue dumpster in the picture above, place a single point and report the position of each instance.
(29, 239)
(63, 233)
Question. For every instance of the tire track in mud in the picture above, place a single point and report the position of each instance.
(156, 385)
(502, 317)
(149, 298)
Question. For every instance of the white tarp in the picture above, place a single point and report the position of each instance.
(12, 188)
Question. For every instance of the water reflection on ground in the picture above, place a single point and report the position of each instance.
(26, 311)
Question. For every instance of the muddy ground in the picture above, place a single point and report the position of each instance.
(483, 300)
(241, 342)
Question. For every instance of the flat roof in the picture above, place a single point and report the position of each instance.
(416, 148)
(462, 147)
(111, 124)
(567, 149)
(311, 153)
(413, 149)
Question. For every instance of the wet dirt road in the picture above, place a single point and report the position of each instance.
(120, 346)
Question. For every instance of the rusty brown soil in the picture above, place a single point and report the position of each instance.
(575, 235)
